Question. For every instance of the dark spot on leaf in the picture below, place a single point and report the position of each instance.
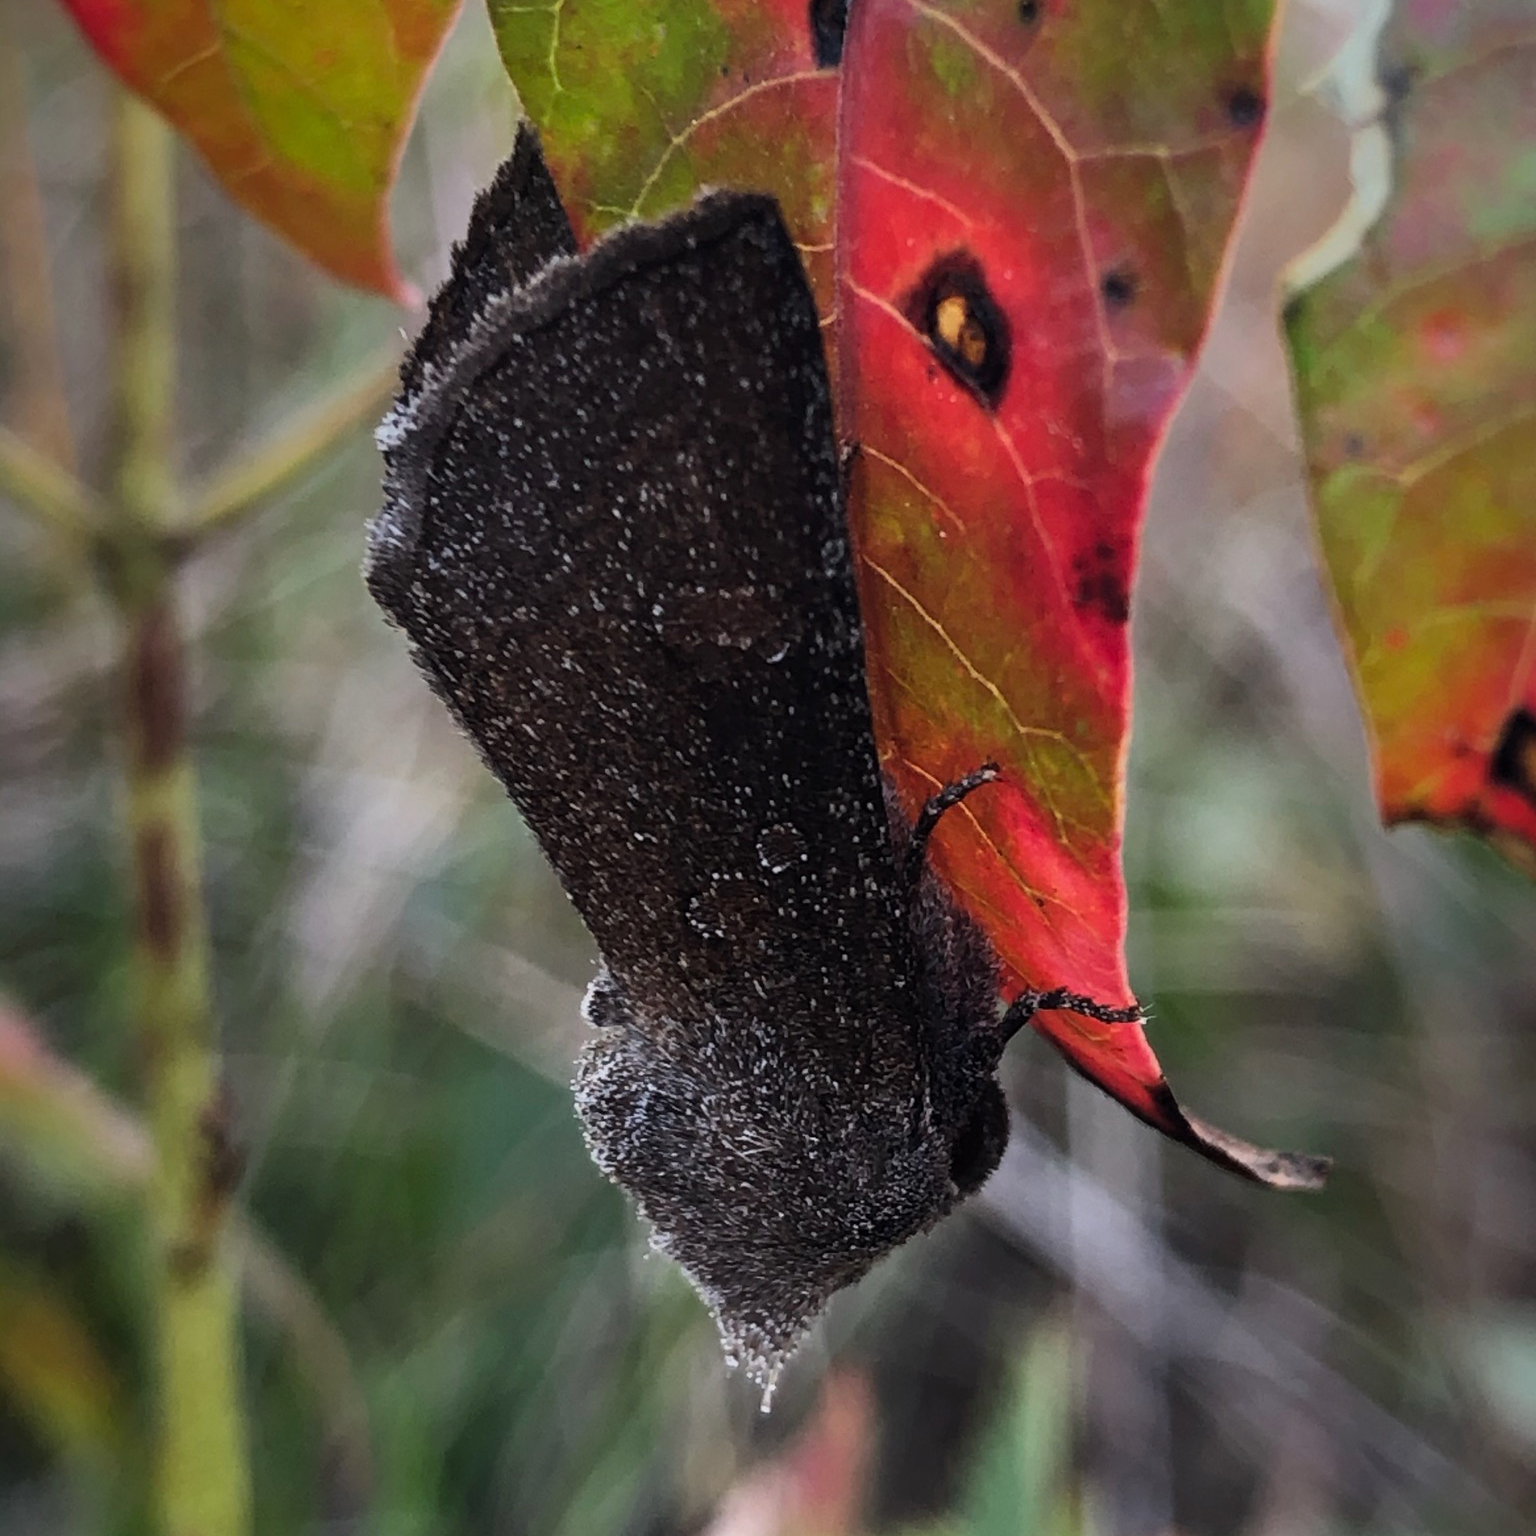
(1099, 584)
(848, 454)
(1514, 759)
(829, 25)
(1354, 446)
(954, 309)
(1245, 107)
(1118, 286)
(1397, 80)
(1030, 11)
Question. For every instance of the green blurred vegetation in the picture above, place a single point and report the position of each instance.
(451, 1322)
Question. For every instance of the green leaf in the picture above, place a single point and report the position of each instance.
(301, 111)
(640, 106)
(1415, 368)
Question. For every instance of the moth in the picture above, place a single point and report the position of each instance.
(613, 531)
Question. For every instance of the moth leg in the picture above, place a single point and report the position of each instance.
(848, 453)
(1027, 1004)
(928, 818)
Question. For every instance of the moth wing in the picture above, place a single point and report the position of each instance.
(517, 227)
(614, 534)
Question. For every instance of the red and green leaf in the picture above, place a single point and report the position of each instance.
(300, 111)
(1086, 161)
(1072, 174)
(1415, 369)
(1089, 160)
(641, 106)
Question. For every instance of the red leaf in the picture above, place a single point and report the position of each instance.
(1034, 203)
(1087, 162)
(301, 112)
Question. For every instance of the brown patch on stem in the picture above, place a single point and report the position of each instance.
(223, 1156)
(156, 689)
(220, 1166)
(160, 905)
(186, 1260)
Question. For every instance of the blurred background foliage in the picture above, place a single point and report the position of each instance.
(452, 1325)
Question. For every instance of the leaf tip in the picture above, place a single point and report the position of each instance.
(1264, 1165)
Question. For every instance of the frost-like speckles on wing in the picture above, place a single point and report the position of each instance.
(613, 533)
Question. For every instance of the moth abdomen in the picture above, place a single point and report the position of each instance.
(778, 1159)
(770, 1189)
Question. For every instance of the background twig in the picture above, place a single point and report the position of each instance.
(297, 446)
(202, 1476)
(50, 493)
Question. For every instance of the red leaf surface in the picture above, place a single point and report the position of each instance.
(1088, 160)
(1044, 192)
(641, 106)
(300, 111)
(1415, 367)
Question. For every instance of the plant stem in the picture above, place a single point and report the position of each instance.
(96, 1152)
(35, 401)
(51, 494)
(202, 1479)
(297, 447)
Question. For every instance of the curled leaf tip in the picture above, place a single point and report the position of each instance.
(1278, 1170)
(1155, 1104)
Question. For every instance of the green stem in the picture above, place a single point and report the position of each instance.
(202, 1477)
(297, 447)
(35, 401)
(85, 1146)
(50, 493)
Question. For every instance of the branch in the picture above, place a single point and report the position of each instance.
(35, 399)
(296, 447)
(52, 495)
(84, 1143)
(45, 490)
(202, 1477)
